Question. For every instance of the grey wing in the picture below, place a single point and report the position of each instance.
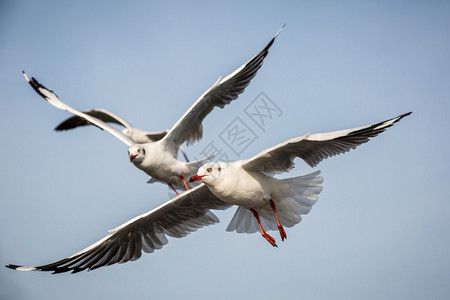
(189, 127)
(101, 114)
(157, 135)
(176, 218)
(313, 148)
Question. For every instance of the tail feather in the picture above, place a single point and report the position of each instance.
(243, 221)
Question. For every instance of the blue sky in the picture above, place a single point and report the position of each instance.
(380, 229)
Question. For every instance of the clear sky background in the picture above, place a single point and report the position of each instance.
(381, 227)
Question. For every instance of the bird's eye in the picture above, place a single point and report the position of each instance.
(143, 151)
(220, 169)
(209, 169)
(139, 150)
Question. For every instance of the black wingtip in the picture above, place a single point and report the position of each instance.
(13, 267)
(36, 85)
(266, 49)
(93, 268)
(402, 116)
(61, 127)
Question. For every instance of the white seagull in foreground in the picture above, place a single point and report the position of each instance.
(136, 134)
(263, 201)
(159, 159)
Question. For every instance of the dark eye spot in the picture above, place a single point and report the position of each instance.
(143, 151)
(220, 169)
(209, 169)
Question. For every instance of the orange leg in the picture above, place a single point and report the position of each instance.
(270, 239)
(184, 180)
(173, 188)
(280, 227)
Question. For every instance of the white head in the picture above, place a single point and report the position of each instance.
(210, 172)
(136, 152)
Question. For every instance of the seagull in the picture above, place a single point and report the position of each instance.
(178, 217)
(272, 202)
(159, 159)
(264, 201)
(136, 134)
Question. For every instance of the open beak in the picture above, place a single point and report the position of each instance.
(132, 157)
(196, 178)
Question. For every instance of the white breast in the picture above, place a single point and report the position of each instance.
(239, 187)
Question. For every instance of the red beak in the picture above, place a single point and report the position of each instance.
(196, 178)
(132, 157)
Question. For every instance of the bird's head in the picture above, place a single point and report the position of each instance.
(136, 152)
(210, 172)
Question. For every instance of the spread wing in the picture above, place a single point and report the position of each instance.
(101, 114)
(189, 127)
(177, 217)
(51, 98)
(313, 148)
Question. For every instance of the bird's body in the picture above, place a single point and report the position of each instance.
(255, 192)
(238, 186)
